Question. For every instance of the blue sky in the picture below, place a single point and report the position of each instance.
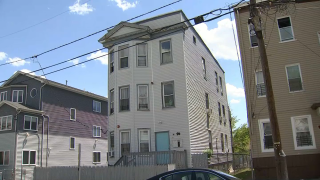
(85, 17)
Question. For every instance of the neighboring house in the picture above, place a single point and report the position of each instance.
(292, 45)
(27, 140)
(166, 94)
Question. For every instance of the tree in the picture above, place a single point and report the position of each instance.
(241, 139)
(234, 120)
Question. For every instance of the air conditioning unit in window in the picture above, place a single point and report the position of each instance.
(209, 111)
(111, 154)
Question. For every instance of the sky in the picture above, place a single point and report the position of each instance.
(35, 26)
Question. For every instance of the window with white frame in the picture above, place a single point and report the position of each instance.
(165, 48)
(143, 97)
(303, 135)
(252, 34)
(285, 29)
(72, 142)
(125, 142)
(124, 56)
(96, 106)
(96, 131)
(96, 157)
(226, 142)
(204, 68)
(124, 98)
(30, 123)
(265, 135)
(5, 123)
(168, 94)
(4, 158)
(222, 142)
(261, 89)
(294, 77)
(3, 96)
(29, 157)
(144, 140)
(73, 114)
(17, 96)
(112, 144)
(142, 59)
(111, 61)
(111, 101)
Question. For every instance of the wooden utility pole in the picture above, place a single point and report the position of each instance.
(280, 157)
(79, 161)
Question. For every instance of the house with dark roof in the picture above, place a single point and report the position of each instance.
(42, 122)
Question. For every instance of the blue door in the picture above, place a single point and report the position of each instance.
(163, 144)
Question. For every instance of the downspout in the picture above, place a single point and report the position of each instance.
(47, 152)
(40, 99)
(16, 139)
(40, 108)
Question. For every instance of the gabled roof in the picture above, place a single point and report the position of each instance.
(20, 107)
(55, 84)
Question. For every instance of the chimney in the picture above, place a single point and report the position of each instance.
(66, 82)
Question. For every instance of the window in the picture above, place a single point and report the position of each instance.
(252, 34)
(223, 111)
(96, 131)
(186, 175)
(210, 139)
(96, 106)
(294, 77)
(96, 157)
(72, 142)
(112, 101)
(168, 94)
(3, 96)
(303, 135)
(4, 158)
(112, 144)
(194, 40)
(5, 123)
(17, 96)
(221, 87)
(33, 93)
(219, 109)
(265, 135)
(125, 142)
(226, 141)
(30, 123)
(29, 157)
(201, 175)
(216, 76)
(166, 56)
(111, 61)
(261, 89)
(73, 114)
(124, 56)
(124, 99)
(142, 55)
(222, 142)
(144, 140)
(208, 121)
(143, 97)
(285, 29)
(207, 100)
(204, 69)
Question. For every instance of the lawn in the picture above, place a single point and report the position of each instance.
(244, 175)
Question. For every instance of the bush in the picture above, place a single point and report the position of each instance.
(209, 152)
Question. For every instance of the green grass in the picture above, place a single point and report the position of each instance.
(244, 175)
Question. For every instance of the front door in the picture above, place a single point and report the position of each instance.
(163, 144)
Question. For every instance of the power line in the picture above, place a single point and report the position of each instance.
(88, 35)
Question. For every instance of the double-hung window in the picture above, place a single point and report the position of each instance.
(17, 96)
(125, 142)
(111, 61)
(219, 109)
(5, 123)
(112, 144)
(29, 157)
(261, 89)
(142, 59)
(73, 114)
(265, 135)
(222, 142)
(3, 96)
(124, 101)
(204, 68)
(143, 97)
(72, 142)
(96, 157)
(144, 140)
(124, 56)
(223, 111)
(285, 29)
(4, 158)
(221, 86)
(207, 101)
(226, 142)
(96, 106)
(96, 131)
(303, 135)
(111, 101)
(30, 123)
(294, 77)
(165, 48)
(168, 94)
(216, 77)
(253, 36)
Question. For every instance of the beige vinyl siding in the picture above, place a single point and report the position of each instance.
(288, 104)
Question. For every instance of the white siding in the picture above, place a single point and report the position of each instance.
(7, 142)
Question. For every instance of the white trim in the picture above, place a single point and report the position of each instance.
(29, 157)
(6, 123)
(173, 94)
(4, 152)
(290, 65)
(139, 135)
(146, 55)
(17, 96)
(146, 97)
(98, 102)
(161, 52)
(111, 91)
(24, 123)
(31, 91)
(250, 38)
(261, 131)
(310, 129)
(119, 52)
(93, 157)
(291, 29)
(255, 74)
(74, 143)
(111, 52)
(109, 144)
(75, 114)
(124, 131)
(6, 95)
(120, 98)
(94, 128)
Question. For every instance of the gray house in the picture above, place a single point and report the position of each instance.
(42, 122)
(167, 93)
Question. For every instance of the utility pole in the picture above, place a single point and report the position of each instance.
(279, 155)
(79, 161)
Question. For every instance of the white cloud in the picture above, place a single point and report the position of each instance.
(27, 71)
(80, 9)
(3, 56)
(103, 59)
(234, 101)
(17, 61)
(233, 91)
(220, 40)
(124, 5)
(76, 62)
